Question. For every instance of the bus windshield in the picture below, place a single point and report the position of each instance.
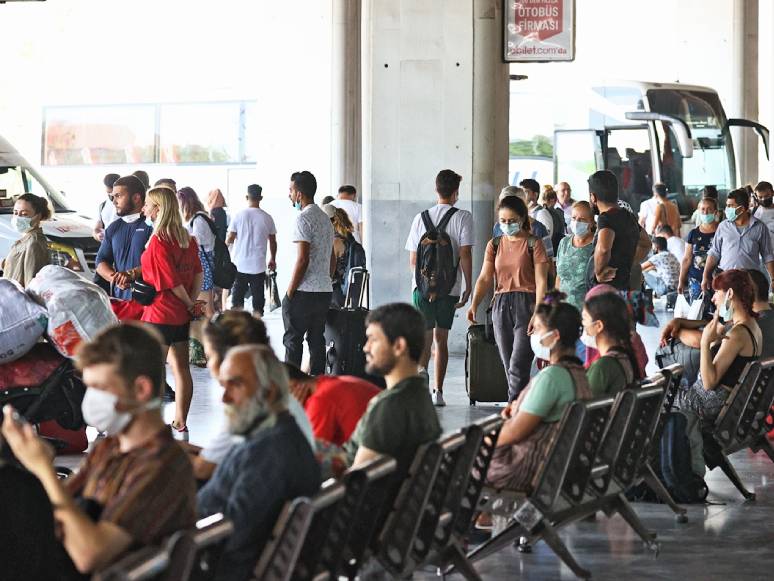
(713, 160)
(17, 180)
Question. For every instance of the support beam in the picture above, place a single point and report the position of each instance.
(745, 87)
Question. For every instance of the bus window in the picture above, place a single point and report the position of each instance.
(627, 155)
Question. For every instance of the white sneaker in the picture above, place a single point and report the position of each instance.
(439, 402)
(180, 435)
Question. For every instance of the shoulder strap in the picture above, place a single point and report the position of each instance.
(429, 226)
(208, 220)
(446, 218)
(754, 342)
(102, 206)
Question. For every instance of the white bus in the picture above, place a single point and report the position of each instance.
(652, 132)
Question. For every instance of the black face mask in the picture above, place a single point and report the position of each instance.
(766, 202)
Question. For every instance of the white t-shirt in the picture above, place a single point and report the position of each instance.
(648, 211)
(459, 229)
(200, 229)
(314, 226)
(354, 211)
(766, 215)
(676, 247)
(107, 214)
(220, 445)
(543, 216)
(253, 227)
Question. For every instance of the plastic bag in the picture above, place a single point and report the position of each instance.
(77, 309)
(22, 321)
(272, 292)
(696, 311)
(682, 307)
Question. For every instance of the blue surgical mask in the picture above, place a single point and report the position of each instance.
(579, 228)
(707, 218)
(21, 223)
(726, 310)
(297, 206)
(731, 214)
(510, 229)
(149, 222)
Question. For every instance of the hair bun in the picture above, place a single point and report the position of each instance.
(554, 297)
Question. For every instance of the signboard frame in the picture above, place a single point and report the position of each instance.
(510, 38)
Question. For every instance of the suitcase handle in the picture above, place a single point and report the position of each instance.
(365, 289)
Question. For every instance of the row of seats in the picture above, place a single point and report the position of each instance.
(603, 447)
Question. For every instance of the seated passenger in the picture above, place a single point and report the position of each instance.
(607, 327)
(533, 418)
(402, 417)
(274, 463)
(724, 351)
(333, 404)
(136, 486)
(662, 270)
(224, 331)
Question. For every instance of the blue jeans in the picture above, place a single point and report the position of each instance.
(654, 282)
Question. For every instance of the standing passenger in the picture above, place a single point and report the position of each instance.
(107, 211)
(347, 201)
(699, 243)
(30, 252)
(518, 263)
(308, 297)
(574, 254)
(217, 206)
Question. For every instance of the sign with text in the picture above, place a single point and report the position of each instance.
(539, 30)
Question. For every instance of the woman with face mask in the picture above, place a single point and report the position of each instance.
(728, 343)
(699, 242)
(607, 327)
(531, 421)
(574, 253)
(516, 264)
(30, 252)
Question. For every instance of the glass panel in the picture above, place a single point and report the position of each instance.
(249, 134)
(200, 133)
(577, 157)
(97, 135)
(11, 186)
(628, 157)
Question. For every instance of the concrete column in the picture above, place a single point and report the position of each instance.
(346, 119)
(435, 96)
(745, 87)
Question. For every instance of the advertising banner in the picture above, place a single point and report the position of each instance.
(539, 30)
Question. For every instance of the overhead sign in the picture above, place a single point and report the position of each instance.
(539, 30)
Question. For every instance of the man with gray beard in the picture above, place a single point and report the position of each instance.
(273, 465)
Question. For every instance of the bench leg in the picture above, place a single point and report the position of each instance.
(732, 475)
(460, 563)
(622, 507)
(764, 444)
(557, 546)
(502, 539)
(658, 487)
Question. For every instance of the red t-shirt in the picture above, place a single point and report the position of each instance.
(336, 406)
(165, 265)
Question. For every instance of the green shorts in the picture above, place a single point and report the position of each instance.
(439, 313)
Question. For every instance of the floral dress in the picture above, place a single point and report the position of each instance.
(571, 264)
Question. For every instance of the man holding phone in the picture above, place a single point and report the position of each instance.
(136, 486)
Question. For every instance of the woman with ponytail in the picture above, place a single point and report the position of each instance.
(607, 327)
(530, 421)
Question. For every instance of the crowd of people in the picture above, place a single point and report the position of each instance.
(563, 281)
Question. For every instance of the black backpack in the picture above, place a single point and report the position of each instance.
(436, 269)
(356, 258)
(675, 458)
(224, 272)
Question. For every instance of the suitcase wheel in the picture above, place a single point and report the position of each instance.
(472, 402)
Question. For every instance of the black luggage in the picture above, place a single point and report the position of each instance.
(484, 372)
(345, 330)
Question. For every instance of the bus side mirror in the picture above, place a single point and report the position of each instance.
(761, 130)
(679, 127)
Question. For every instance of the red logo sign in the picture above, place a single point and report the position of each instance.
(538, 19)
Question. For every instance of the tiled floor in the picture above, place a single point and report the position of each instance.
(725, 540)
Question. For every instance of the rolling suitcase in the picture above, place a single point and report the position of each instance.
(484, 372)
(345, 330)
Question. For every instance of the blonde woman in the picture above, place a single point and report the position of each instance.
(171, 265)
(342, 239)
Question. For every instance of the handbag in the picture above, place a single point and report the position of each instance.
(696, 310)
(142, 292)
(272, 292)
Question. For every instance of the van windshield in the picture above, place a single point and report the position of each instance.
(17, 180)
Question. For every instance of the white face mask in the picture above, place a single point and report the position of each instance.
(131, 218)
(589, 340)
(536, 342)
(99, 410)
(21, 223)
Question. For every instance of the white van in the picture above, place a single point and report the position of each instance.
(69, 235)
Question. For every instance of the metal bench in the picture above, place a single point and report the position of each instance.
(194, 555)
(146, 564)
(742, 422)
(278, 559)
(560, 486)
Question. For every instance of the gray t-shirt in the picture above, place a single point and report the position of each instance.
(314, 226)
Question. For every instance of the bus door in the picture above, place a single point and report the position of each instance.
(628, 155)
(577, 155)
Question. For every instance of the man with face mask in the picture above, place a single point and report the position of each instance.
(765, 211)
(270, 466)
(308, 296)
(741, 241)
(136, 485)
(126, 238)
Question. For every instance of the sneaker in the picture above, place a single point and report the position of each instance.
(179, 433)
(439, 402)
(169, 395)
